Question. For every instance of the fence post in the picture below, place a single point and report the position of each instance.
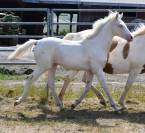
(49, 22)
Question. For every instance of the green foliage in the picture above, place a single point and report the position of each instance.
(9, 29)
(63, 32)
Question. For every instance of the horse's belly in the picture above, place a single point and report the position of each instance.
(117, 64)
(120, 67)
(120, 70)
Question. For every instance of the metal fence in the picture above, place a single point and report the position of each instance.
(49, 22)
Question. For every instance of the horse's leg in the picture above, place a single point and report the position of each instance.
(97, 93)
(101, 79)
(87, 87)
(47, 91)
(37, 72)
(68, 79)
(131, 78)
(51, 80)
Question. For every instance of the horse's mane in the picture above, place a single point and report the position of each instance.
(140, 30)
(97, 26)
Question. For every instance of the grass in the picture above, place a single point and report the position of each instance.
(21, 77)
(9, 91)
(10, 77)
(136, 91)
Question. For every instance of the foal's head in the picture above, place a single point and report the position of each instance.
(119, 27)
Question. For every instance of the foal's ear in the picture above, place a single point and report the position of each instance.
(117, 15)
(121, 15)
(109, 11)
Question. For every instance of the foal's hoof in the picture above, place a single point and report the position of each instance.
(16, 103)
(72, 106)
(103, 103)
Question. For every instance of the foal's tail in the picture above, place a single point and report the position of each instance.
(25, 48)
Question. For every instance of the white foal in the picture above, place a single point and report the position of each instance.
(89, 54)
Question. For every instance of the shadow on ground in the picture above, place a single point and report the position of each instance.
(79, 116)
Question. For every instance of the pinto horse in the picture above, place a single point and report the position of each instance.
(122, 59)
(89, 54)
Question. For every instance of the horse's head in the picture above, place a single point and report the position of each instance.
(119, 27)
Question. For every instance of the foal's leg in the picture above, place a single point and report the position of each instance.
(101, 78)
(51, 85)
(68, 79)
(131, 78)
(85, 79)
(87, 87)
(48, 93)
(32, 77)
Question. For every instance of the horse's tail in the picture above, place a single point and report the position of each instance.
(25, 48)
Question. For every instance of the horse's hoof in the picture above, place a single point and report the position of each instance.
(72, 106)
(123, 108)
(119, 112)
(16, 103)
(61, 108)
(103, 103)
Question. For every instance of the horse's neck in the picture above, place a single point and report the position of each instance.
(103, 38)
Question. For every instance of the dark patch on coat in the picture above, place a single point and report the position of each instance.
(126, 50)
(108, 68)
(113, 45)
(143, 70)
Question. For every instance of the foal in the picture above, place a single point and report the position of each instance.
(85, 55)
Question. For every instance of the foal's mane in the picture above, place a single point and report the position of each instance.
(99, 24)
(139, 30)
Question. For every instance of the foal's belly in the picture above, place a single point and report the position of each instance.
(74, 58)
(73, 64)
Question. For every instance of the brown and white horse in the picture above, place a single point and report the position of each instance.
(122, 58)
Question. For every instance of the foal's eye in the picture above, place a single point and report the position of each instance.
(120, 25)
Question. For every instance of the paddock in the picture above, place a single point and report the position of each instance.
(89, 116)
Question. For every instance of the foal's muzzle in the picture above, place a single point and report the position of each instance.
(130, 38)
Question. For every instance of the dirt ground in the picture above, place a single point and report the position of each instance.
(89, 117)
